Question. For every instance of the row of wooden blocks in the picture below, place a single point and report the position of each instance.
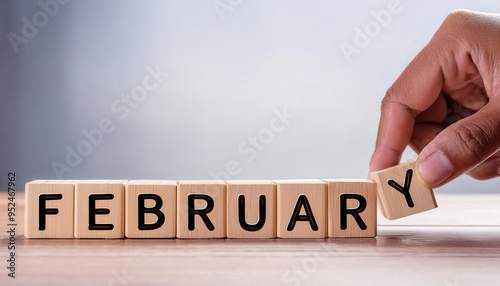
(218, 209)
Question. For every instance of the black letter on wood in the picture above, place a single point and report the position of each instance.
(262, 214)
(302, 201)
(43, 210)
(142, 210)
(344, 211)
(406, 189)
(202, 212)
(93, 212)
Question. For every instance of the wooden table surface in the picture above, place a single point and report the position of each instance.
(455, 244)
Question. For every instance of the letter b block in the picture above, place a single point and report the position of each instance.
(49, 209)
(99, 209)
(402, 192)
(352, 208)
(201, 209)
(251, 209)
(302, 208)
(150, 209)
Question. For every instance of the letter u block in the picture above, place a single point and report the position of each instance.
(402, 192)
(302, 209)
(352, 208)
(150, 209)
(201, 209)
(99, 209)
(49, 209)
(251, 209)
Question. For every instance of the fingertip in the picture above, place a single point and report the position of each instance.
(383, 159)
(435, 169)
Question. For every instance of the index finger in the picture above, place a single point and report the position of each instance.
(414, 91)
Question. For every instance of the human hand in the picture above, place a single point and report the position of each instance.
(446, 104)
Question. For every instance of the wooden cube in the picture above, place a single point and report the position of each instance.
(251, 209)
(49, 209)
(352, 208)
(150, 209)
(402, 192)
(99, 209)
(201, 209)
(301, 209)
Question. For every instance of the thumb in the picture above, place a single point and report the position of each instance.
(461, 146)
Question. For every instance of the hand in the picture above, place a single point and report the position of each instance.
(446, 104)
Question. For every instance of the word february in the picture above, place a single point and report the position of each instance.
(218, 209)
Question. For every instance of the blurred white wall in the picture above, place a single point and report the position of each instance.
(231, 64)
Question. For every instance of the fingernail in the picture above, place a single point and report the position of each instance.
(498, 170)
(435, 169)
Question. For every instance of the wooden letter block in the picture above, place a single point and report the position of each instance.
(302, 208)
(402, 192)
(201, 209)
(99, 209)
(352, 208)
(150, 209)
(251, 209)
(49, 209)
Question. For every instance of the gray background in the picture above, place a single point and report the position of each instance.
(227, 73)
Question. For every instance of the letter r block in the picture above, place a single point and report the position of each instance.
(352, 208)
(201, 209)
(301, 209)
(150, 209)
(99, 209)
(251, 209)
(402, 192)
(49, 209)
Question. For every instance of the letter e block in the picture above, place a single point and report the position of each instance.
(352, 208)
(201, 209)
(402, 192)
(49, 209)
(99, 209)
(251, 209)
(150, 209)
(301, 208)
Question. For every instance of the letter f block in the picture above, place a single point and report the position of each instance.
(402, 192)
(49, 209)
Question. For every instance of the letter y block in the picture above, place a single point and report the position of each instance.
(402, 192)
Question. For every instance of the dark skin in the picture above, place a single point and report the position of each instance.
(446, 104)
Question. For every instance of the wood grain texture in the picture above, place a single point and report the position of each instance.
(167, 192)
(456, 244)
(215, 214)
(60, 199)
(289, 193)
(251, 192)
(88, 189)
(394, 203)
(342, 190)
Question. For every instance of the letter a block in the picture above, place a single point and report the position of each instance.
(201, 209)
(302, 208)
(352, 208)
(49, 209)
(150, 209)
(251, 209)
(99, 209)
(402, 192)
